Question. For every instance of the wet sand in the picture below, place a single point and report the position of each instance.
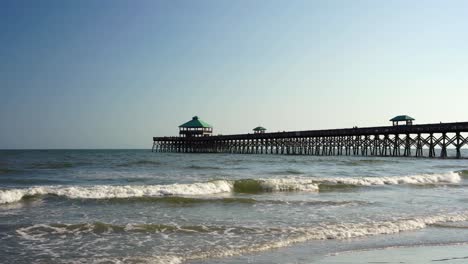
(418, 254)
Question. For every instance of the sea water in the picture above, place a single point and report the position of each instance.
(134, 206)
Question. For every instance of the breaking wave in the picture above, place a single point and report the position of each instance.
(126, 191)
(222, 186)
(338, 231)
(463, 173)
(282, 237)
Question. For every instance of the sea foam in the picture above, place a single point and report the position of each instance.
(219, 186)
(125, 191)
(337, 231)
(450, 177)
(286, 236)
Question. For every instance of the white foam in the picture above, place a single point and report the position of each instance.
(279, 185)
(345, 231)
(125, 191)
(216, 187)
(450, 177)
(312, 184)
(337, 231)
(288, 236)
(10, 196)
(122, 260)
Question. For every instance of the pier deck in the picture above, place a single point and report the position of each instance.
(405, 140)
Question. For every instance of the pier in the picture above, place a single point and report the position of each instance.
(426, 140)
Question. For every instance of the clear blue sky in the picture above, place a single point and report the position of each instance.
(112, 74)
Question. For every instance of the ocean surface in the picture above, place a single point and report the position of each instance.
(134, 206)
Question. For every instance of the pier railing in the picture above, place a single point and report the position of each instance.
(405, 140)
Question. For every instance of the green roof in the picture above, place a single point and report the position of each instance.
(259, 128)
(402, 118)
(195, 123)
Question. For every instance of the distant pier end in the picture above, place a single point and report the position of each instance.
(398, 140)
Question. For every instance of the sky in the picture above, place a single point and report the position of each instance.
(113, 74)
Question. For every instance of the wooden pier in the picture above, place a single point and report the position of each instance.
(428, 140)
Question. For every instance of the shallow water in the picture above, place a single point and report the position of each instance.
(134, 206)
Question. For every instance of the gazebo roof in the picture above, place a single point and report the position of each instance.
(401, 118)
(196, 123)
(259, 128)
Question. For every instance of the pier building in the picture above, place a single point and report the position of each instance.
(259, 130)
(402, 118)
(195, 128)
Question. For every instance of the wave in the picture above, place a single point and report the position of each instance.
(223, 186)
(125, 191)
(320, 232)
(333, 187)
(463, 173)
(6, 170)
(60, 229)
(335, 231)
(178, 200)
(100, 228)
(288, 172)
(274, 185)
(30, 181)
(369, 162)
(422, 179)
(186, 201)
(278, 237)
(338, 183)
(459, 225)
(141, 163)
(133, 259)
(53, 165)
(201, 167)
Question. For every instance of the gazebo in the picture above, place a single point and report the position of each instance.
(195, 128)
(259, 130)
(402, 118)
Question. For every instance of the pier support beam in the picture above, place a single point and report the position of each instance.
(443, 151)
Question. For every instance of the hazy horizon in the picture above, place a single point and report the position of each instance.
(113, 74)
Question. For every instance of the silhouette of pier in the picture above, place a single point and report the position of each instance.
(427, 140)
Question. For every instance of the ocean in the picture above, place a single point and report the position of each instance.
(135, 206)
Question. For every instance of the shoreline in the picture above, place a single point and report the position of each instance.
(380, 249)
(446, 253)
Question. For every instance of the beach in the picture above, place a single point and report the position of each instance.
(421, 254)
(134, 206)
